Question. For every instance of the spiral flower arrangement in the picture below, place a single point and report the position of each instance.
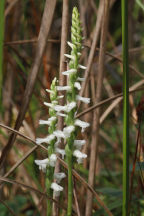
(72, 124)
(47, 165)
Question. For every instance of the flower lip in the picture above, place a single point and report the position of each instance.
(79, 143)
(83, 99)
(59, 176)
(82, 67)
(59, 133)
(45, 140)
(68, 130)
(68, 72)
(47, 122)
(77, 85)
(63, 88)
(81, 124)
(60, 151)
(42, 164)
(79, 155)
(57, 188)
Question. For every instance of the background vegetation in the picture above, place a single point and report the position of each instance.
(31, 55)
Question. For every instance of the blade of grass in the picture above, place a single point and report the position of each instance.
(2, 4)
(124, 5)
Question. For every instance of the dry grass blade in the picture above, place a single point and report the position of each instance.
(95, 126)
(28, 41)
(42, 39)
(76, 200)
(93, 47)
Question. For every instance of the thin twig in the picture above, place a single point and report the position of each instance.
(28, 41)
(9, 209)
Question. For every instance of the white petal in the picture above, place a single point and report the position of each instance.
(79, 155)
(61, 96)
(83, 99)
(59, 176)
(68, 130)
(47, 122)
(70, 44)
(57, 189)
(45, 140)
(79, 54)
(59, 108)
(60, 151)
(48, 104)
(52, 160)
(50, 91)
(81, 124)
(81, 79)
(61, 114)
(79, 143)
(63, 88)
(82, 67)
(77, 85)
(42, 164)
(68, 72)
(66, 108)
(69, 56)
(59, 133)
(70, 106)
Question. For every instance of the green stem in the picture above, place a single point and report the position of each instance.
(49, 203)
(49, 179)
(70, 187)
(125, 108)
(2, 4)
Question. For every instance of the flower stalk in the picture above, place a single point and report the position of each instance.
(47, 165)
(72, 96)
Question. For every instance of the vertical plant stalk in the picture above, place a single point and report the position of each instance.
(94, 144)
(2, 4)
(124, 5)
(62, 79)
(76, 37)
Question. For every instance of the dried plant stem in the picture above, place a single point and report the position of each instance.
(93, 47)
(2, 4)
(94, 145)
